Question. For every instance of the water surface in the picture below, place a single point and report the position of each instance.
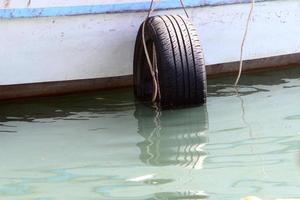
(104, 145)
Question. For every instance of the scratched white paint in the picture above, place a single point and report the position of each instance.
(95, 46)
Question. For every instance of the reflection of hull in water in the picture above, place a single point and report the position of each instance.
(172, 137)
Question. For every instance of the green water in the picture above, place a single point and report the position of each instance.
(105, 146)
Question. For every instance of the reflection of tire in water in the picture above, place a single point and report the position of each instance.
(172, 137)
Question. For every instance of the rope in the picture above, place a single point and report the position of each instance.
(183, 6)
(153, 67)
(155, 85)
(243, 43)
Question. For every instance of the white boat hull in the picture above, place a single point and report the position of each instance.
(95, 46)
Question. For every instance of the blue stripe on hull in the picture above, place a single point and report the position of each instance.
(106, 8)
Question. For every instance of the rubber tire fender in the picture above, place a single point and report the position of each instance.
(180, 62)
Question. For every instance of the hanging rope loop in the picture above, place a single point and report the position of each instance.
(153, 65)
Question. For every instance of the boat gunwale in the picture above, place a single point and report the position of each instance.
(32, 12)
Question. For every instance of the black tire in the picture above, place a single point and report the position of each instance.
(180, 63)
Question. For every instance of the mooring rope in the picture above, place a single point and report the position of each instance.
(154, 95)
(153, 69)
(243, 44)
(248, 125)
(155, 85)
(183, 7)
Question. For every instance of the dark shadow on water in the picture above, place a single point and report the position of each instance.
(252, 82)
(63, 106)
(172, 137)
(122, 100)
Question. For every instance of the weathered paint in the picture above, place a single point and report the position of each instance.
(32, 9)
